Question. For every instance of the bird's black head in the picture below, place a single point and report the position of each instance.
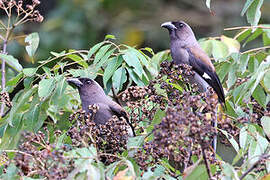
(179, 30)
(81, 82)
(87, 87)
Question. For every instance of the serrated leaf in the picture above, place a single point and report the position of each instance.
(45, 87)
(11, 61)
(33, 41)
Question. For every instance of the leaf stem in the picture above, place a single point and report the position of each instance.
(245, 27)
(256, 49)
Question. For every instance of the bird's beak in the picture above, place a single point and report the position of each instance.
(168, 25)
(74, 81)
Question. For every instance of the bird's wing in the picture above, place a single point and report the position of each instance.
(120, 112)
(201, 64)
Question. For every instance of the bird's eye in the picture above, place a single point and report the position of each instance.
(181, 25)
(88, 82)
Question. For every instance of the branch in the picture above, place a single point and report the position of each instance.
(3, 72)
(246, 27)
(206, 163)
(256, 49)
(262, 157)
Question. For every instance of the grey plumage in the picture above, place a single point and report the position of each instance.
(185, 49)
(92, 93)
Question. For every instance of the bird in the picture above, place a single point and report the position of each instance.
(185, 49)
(92, 93)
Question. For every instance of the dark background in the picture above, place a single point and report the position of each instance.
(79, 24)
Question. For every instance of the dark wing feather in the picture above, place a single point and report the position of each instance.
(120, 112)
(200, 67)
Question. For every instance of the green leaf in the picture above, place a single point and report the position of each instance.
(246, 6)
(45, 88)
(232, 76)
(133, 61)
(243, 63)
(266, 81)
(242, 35)
(78, 59)
(113, 64)
(32, 40)
(220, 50)
(101, 52)
(254, 12)
(119, 78)
(231, 140)
(19, 104)
(90, 72)
(208, 4)
(105, 58)
(109, 36)
(243, 137)
(265, 122)
(134, 77)
(15, 80)
(207, 46)
(259, 96)
(11, 173)
(62, 53)
(156, 120)
(232, 44)
(135, 142)
(11, 61)
(199, 172)
(223, 70)
(29, 71)
(94, 49)
(253, 36)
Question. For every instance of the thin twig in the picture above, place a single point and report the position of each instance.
(206, 163)
(17, 151)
